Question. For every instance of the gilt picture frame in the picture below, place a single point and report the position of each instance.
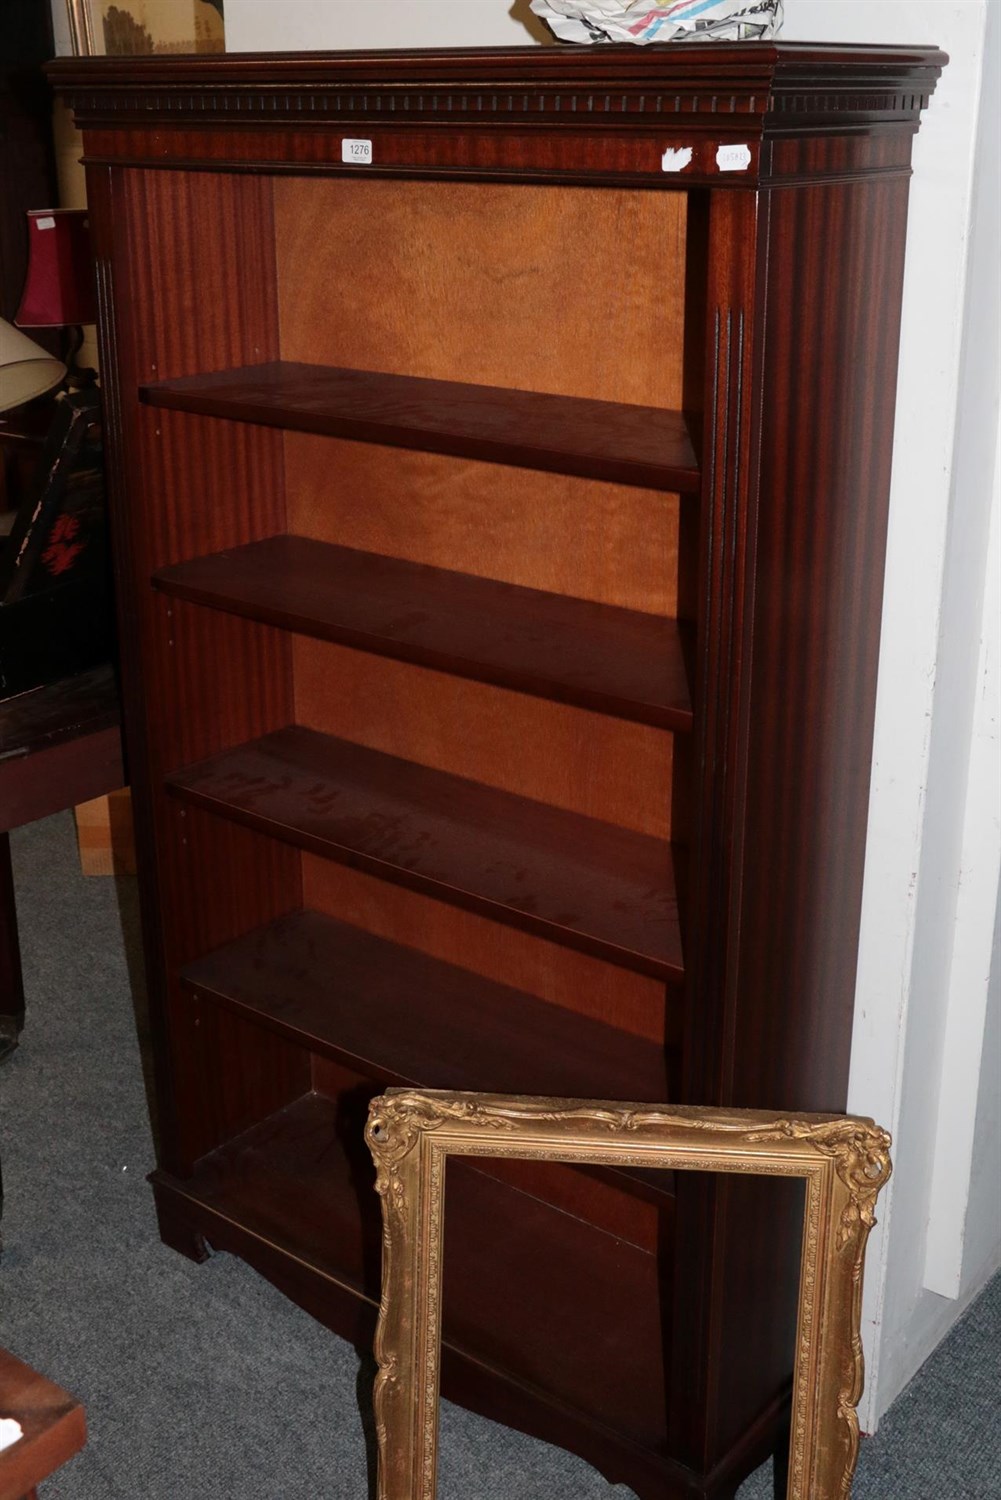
(844, 1161)
(100, 28)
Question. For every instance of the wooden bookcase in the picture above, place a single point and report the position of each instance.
(500, 529)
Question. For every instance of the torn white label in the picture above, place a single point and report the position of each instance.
(356, 151)
(733, 158)
(46, 223)
(10, 1432)
(676, 158)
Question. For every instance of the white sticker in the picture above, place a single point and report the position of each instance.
(45, 223)
(357, 151)
(733, 158)
(11, 1432)
(676, 158)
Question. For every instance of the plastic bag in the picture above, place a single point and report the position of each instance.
(640, 22)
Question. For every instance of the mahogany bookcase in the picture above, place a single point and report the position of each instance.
(500, 448)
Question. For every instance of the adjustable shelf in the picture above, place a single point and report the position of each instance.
(288, 1193)
(642, 445)
(320, 982)
(590, 885)
(615, 661)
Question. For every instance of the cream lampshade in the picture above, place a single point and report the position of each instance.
(26, 370)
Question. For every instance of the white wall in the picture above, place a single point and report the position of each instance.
(964, 1224)
(61, 35)
(982, 1224)
(918, 1034)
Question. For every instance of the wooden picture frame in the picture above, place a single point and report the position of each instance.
(843, 1160)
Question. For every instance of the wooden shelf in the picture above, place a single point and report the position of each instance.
(292, 1181)
(589, 885)
(401, 1017)
(300, 1185)
(644, 445)
(615, 661)
(320, 983)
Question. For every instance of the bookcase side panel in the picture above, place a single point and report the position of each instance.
(830, 285)
(835, 276)
(185, 273)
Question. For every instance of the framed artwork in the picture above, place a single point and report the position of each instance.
(130, 27)
(843, 1160)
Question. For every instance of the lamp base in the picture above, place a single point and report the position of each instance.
(78, 377)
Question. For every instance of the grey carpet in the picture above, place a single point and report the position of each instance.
(204, 1381)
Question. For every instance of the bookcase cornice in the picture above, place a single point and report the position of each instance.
(729, 94)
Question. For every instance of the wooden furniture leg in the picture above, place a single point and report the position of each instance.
(59, 745)
(11, 983)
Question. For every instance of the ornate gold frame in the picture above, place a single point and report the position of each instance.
(843, 1159)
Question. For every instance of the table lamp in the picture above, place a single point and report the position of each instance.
(53, 577)
(59, 287)
(26, 370)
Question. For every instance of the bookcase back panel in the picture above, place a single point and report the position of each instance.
(576, 981)
(563, 1306)
(608, 1201)
(539, 288)
(552, 752)
(615, 544)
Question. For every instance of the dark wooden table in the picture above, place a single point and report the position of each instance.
(52, 1421)
(59, 745)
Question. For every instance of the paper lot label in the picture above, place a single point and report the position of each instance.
(359, 152)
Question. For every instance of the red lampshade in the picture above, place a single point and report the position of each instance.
(59, 287)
